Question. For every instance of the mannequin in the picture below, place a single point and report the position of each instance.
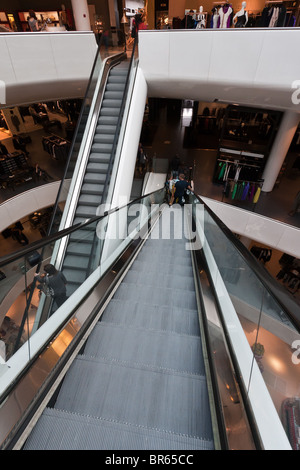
(241, 17)
(201, 19)
(225, 16)
(215, 18)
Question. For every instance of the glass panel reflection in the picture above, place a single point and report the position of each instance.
(268, 329)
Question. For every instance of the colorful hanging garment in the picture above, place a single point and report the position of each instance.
(222, 171)
(251, 192)
(245, 192)
(257, 194)
(234, 191)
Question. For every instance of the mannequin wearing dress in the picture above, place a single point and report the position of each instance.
(201, 19)
(241, 17)
(215, 18)
(225, 12)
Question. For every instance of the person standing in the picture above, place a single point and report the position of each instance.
(56, 282)
(179, 190)
(19, 144)
(142, 159)
(18, 235)
(15, 120)
(33, 21)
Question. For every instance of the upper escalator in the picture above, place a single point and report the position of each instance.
(88, 178)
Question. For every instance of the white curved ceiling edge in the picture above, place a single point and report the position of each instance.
(26, 203)
(45, 66)
(255, 67)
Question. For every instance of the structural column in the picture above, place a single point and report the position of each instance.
(81, 15)
(281, 145)
(114, 20)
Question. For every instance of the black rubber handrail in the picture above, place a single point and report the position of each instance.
(23, 252)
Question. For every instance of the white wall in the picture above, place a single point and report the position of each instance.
(247, 66)
(45, 66)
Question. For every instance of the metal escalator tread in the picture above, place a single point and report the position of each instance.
(137, 394)
(61, 430)
(141, 372)
(100, 155)
(161, 349)
(77, 255)
(164, 318)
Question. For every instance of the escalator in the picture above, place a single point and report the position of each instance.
(96, 179)
(139, 382)
(101, 151)
(148, 353)
(141, 355)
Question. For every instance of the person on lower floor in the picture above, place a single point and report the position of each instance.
(3, 149)
(295, 205)
(19, 144)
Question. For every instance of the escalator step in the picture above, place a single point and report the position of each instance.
(143, 396)
(82, 236)
(120, 69)
(60, 430)
(99, 157)
(165, 318)
(91, 188)
(108, 120)
(116, 79)
(95, 167)
(113, 95)
(75, 262)
(90, 199)
(86, 211)
(94, 178)
(115, 87)
(144, 267)
(74, 276)
(104, 138)
(158, 296)
(110, 112)
(102, 147)
(79, 249)
(111, 103)
(105, 129)
(161, 349)
(160, 279)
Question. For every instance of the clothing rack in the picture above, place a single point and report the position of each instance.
(59, 137)
(258, 182)
(262, 254)
(235, 162)
(242, 190)
(56, 146)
